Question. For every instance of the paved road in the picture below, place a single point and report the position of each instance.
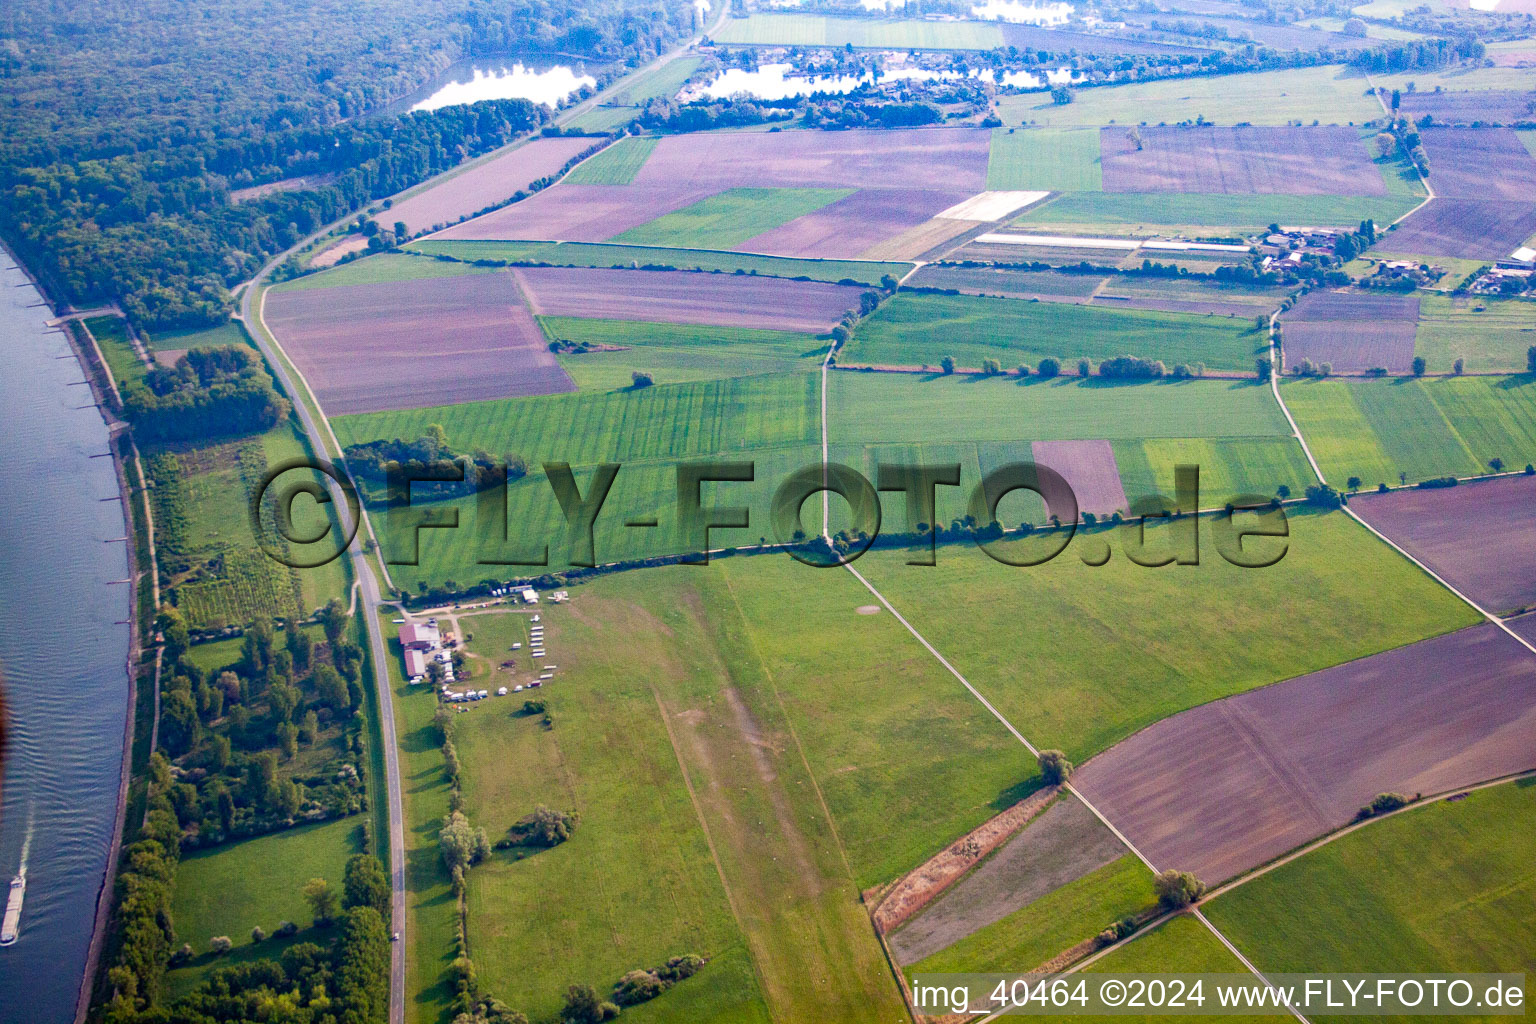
(371, 600)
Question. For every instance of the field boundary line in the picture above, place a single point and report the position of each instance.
(1066, 784)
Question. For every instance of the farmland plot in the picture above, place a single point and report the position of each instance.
(437, 341)
(1244, 161)
(1352, 332)
(1089, 469)
(1062, 845)
(484, 184)
(1473, 229)
(940, 158)
(579, 213)
(1488, 334)
(1480, 163)
(1480, 536)
(1288, 762)
(1014, 284)
(669, 296)
(726, 219)
(1459, 107)
(853, 224)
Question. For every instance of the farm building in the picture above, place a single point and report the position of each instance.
(419, 636)
(415, 664)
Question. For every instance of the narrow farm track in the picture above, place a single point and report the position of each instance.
(934, 651)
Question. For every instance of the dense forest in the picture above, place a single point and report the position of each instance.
(123, 127)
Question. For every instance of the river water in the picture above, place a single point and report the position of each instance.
(62, 654)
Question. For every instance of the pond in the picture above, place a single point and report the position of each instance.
(491, 78)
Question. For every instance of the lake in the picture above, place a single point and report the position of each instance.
(495, 78)
(63, 655)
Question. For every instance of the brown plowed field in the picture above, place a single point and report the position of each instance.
(1480, 536)
(851, 225)
(494, 181)
(578, 213)
(678, 297)
(1061, 846)
(1462, 228)
(940, 158)
(1351, 346)
(1466, 107)
(1090, 470)
(1240, 161)
(411, 344)
(1333, 305)
(1352, 331)
(1479, 163)
(1224, 787)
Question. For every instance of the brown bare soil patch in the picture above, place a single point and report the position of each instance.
(487, 184)
(914, 242)
(919, 887)
(1483, 105)
(851, 225)
(1240, 161)
(1224, 787)
(1062, 845)
(578, 213)
(412, 344)
(1090, 470)
(1480, 536)
(1472, 229)
(868, 609)
(938, 158)
(332, 254)
(1479, 163)
(681, 297)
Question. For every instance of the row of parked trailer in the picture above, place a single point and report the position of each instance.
(535, 650)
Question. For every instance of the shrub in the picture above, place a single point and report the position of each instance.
(1085, 367)
(1382, 803)
(1177, 889)
(1419, 366)
(991, 367)
(1439, 481)
(637, 987)
(1050, 366)
(1376, 371)
(220, 944)
(258, 934)
(533, 707)
(1382, 488)
(1353, 483)
(1054, 767)
(641, 380)
(285, 930)
(1459, 366)
(544, 827)
(182, 955)
(1022, 370)
(947, 364)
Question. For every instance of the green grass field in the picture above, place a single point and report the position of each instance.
(1051, 924)
(731, 217)
(677, 353)
(819, 30)
(229, 890)
(1447, 426)
(380, 269)
(1459, 79)
(663, 81)
(225, 334)
(920, 330)
(1489, 334)
(583, 254)
(705, 784)
(1147, 213)
(873, 408)
(616, 165)
(1112, 649)
(1444, 887)
(1049, 159)
(123, 363)
(603, 118)
(1330, 94)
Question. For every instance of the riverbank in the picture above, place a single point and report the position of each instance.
(120, 450)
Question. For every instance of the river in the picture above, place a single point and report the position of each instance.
(63, 654)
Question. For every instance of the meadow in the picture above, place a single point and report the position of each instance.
(676, 353)
(1330, 94)
(1383, 431)
(616, 165)
(734, 799)
(380, 269)
(1048, 159)
(1443, 887)
(729, 218)
(1489, 334)
(1115, 648)
(919, 330)
(594, 254)
(230, 889)
(111, 334)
